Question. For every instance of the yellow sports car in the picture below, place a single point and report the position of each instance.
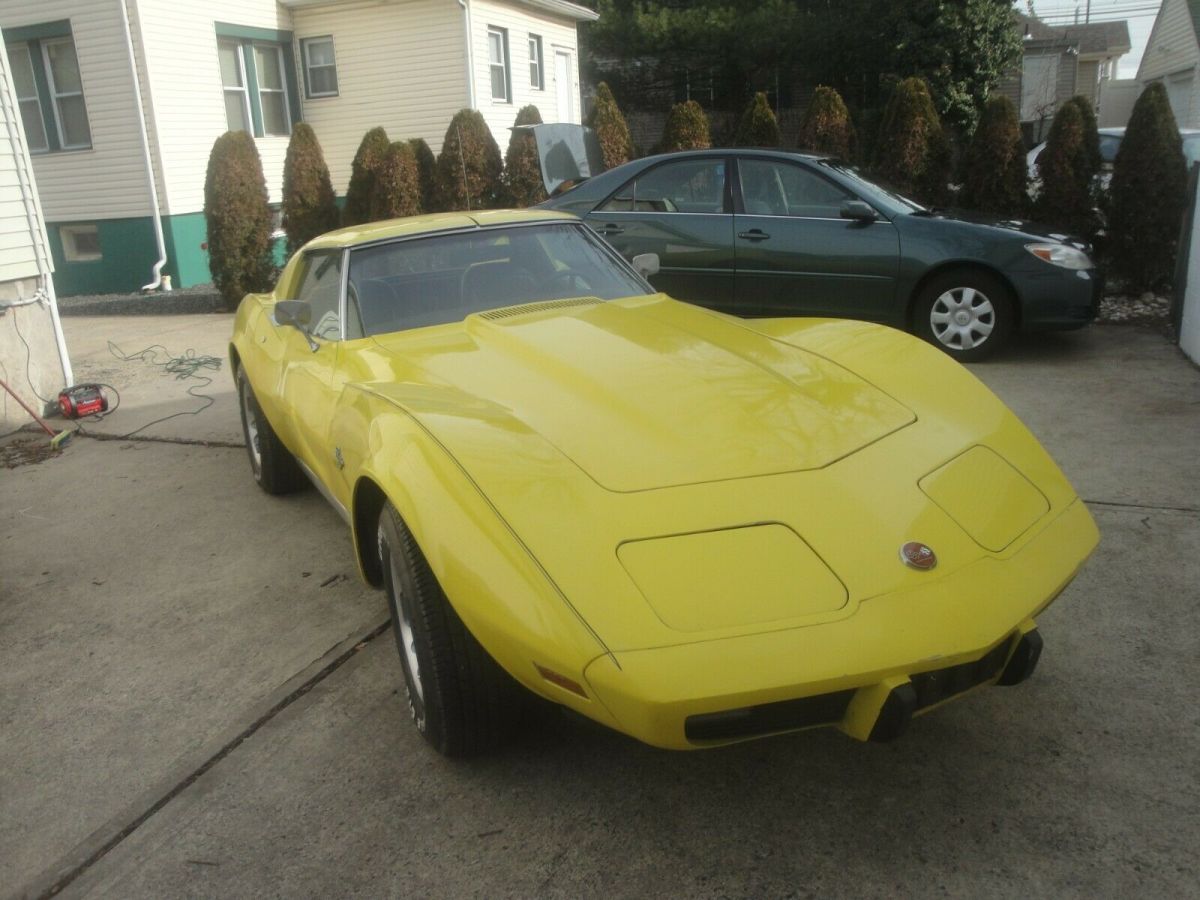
(690, 527)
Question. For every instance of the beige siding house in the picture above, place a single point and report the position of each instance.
(91, 77)
(1172, 56)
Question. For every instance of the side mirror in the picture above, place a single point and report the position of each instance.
(647, 264)
(297, 313)
(859, 211)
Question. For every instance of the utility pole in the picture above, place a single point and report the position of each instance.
(1087, 13)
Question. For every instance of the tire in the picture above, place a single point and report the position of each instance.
(272, 464)
(968, 314)
(460, 699)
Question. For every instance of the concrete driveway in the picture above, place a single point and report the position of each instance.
(199, 699)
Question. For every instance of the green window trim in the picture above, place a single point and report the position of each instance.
(32, 37)
(247, 36)
(22, 33)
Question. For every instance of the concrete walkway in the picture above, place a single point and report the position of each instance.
(198, 699)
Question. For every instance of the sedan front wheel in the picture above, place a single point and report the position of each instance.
(967, 314)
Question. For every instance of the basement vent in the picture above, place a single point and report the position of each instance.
(543, 306)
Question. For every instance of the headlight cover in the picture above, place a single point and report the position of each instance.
(1061, 255)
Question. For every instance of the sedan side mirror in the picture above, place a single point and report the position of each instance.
(647, 264)
(859, 211)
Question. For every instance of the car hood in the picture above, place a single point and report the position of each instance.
(1012, 226)
(641, 393)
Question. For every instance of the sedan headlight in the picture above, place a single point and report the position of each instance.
(1061, 255)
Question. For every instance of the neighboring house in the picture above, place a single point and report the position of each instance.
(33, 355)
(1059, 62)
(91, 75)
(1172, 56)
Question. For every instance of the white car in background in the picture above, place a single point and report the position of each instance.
(1110, 141)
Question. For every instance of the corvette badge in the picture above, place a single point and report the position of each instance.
(918, 556)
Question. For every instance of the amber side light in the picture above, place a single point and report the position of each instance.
(562, 681)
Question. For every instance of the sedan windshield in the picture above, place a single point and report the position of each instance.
(445, 278)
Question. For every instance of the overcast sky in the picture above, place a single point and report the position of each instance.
(1138, 13)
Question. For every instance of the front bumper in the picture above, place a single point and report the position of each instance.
(1060, 300)
(899, 655)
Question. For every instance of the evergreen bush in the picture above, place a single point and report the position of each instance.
(1065, 198)
(426, 173)
(469, 166)
(1148, 190)
(686, 128)
(238, 219)
(912, 152)
(371, 150)
(397, 184)
(309, 206)
(995, 177)
(522, 173)
(826, 127)
(758, 126)
(606, 120)
(1091, 136)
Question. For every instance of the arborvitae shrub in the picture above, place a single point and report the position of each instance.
(826, 126)
(469, 166)
(758, 126)
(995, 177)
(366, 163)
(611, 129)
(1148, 194)
(686, 128)
(522, 173)
(309, 208)
(1065, 199)
(238, 219)
(397, 184)
(426, 173)
(1091, 135)
(912, 153)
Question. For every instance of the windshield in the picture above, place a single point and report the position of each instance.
(868, 187)
(445, 278)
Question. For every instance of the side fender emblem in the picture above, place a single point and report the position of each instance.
(337, 457)
(916, 555)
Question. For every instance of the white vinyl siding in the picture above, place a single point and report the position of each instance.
(1172, 45)
(401, 66)
(557, 34)
(18, 240)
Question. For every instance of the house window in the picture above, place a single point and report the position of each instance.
(27, 98)
(48, 86)
(498, 59)
(272, 92)
(233, 80)
(81, 243)
(537, 76)
(320, 71)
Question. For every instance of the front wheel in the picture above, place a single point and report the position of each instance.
(967, 314)
(271, 463)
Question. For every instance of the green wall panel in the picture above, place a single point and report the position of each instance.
(187, 260)
(129, 254)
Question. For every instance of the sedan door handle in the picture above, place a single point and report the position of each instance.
(608, 229)
(754, 234)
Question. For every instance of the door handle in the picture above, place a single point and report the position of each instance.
(754, 234)
(608, 229)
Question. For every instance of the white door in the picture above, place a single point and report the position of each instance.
(565, 85)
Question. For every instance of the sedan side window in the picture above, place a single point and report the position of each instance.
(321, 288)
(772, 188)
(685, 186)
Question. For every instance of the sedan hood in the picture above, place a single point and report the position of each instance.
(1015, 226)
(645, 393)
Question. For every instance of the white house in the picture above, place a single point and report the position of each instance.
(91, 75)
(1172, 56)
(33, 355)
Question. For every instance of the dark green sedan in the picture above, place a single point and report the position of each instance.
(771, 233)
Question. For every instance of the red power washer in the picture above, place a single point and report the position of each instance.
(82, 400)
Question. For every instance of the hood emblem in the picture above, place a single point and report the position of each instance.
(916, 555)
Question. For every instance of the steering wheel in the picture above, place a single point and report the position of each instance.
(568, 283)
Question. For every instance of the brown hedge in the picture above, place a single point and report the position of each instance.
(238, 219)
(995, 177)
(758, 126)
(469, 166)
(611, 129)
(371, 150)
(522, 173)
(686, 128)
(397, 184)
(912, 152)
(426, 173)
(309, 206)
(826, 127)
(1065, 198)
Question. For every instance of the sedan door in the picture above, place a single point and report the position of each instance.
(794, 252)
(682, 210)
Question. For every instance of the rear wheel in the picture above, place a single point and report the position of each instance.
(461, 701)
(970, 315)
(273, 466)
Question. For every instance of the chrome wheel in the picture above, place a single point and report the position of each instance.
(962, 318)
(250, 423)
(408, 642)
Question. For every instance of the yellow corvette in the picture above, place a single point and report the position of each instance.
(692, 528)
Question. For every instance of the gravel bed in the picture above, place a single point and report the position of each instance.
(199, 299)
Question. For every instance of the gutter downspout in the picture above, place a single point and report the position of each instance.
(37, 229)
(470, 48)
(137, 93)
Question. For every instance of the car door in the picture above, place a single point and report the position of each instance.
(680, 209)
(309, 385)
(795, 254)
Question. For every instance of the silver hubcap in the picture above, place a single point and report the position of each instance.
(406, 635)
(962, 318)
(252, 440)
